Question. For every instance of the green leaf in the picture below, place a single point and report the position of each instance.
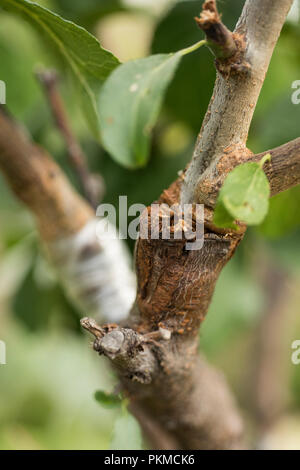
(129, 104)
(81, 52)
(244, 196)
(126, 434)
(17, 64)
(108, 400)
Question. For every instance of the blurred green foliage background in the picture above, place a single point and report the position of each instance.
(47, 386)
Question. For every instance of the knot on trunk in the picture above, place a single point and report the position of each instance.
(130, 352)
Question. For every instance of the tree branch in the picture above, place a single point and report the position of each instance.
(39, 183)
(283, 170)
(219, 39)
(171, 388)
(152, 365)
(236, 92)
(94, 270)
(49, 80)
(175, 285)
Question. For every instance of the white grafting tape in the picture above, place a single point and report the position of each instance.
(94, 267)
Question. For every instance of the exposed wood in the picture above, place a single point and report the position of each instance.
(220, 40)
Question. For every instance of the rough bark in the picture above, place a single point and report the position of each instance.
(283, 169)
(154, 376)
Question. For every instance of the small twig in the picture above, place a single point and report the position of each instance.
(92, 327)
(126, 348)
(219, 39)
(49, 80)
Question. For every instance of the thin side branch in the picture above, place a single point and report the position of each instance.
(283, 170)
(220, 40)
(49, 81)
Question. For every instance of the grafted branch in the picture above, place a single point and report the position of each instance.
(95, 271)
(152, 366)
(236, 92)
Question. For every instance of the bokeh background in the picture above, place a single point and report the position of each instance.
(47, 386)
